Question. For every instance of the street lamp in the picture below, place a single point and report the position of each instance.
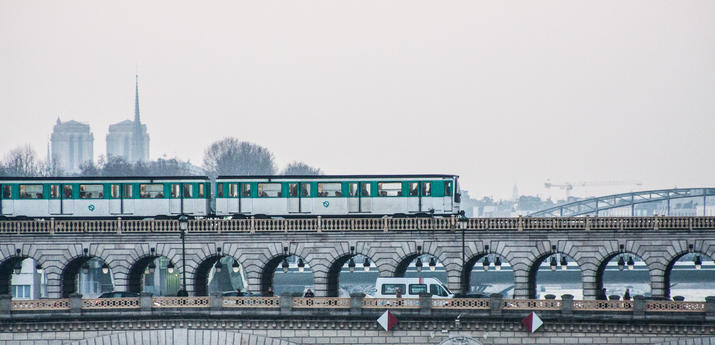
(621, 263)
(698, 263)
(418, 265)
(235, 266)
(170, 267)
(18, 267)
(497, 264)
(301, 265)
(432, 264)
(553, 263)
(285, 265)
(39, 269)
(351, 265)
(631, 264)
(485, 263)
(564, 263)
(105, 268)
(366, 264)
(183, 226)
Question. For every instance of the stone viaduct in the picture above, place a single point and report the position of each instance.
(61, 247)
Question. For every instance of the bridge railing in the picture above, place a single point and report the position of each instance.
(252, 225)
(331, 303)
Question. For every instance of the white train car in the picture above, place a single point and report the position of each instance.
(102, 197)
(337, 195)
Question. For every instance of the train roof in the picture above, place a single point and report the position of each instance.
(99, 178)
(250, 177)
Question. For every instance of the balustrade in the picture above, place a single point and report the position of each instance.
(355, 224)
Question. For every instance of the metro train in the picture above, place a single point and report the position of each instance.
(278, 196)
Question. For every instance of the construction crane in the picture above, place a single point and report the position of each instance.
(568, 187)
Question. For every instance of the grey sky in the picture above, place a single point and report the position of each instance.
(497, 92)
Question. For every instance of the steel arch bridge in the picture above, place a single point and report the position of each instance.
(593, 206)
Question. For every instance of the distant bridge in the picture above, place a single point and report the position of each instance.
(593, 206)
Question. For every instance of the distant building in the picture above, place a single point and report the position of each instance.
(72, 145)
(129, 139)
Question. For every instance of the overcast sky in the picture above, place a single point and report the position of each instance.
(499, 92)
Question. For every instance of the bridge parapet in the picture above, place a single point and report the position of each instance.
(319, 224)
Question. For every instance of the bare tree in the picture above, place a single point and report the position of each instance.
(300, 168)
(22, 162)
(230, 156)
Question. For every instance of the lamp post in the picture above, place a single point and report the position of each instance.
(462, 222)
(183, 226)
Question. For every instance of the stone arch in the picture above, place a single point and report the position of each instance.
(603, 262)
(201, 273)
(411, 252)
(6, 268)
(534, 269)
(277, 253)
(698, 248)
(180, 336)
(476, 251)
(342, 256)
(144, 256)
(69, 273)
(543, 250)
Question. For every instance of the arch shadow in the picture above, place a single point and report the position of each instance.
(68, 277)
(136, 273)
(6, 268)
(534, 270)
(335, 270)
(269, 270)
(201, 275)
(468, 267)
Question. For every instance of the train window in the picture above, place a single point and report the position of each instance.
(91, 191)
(414, 189)
(267, 190)
(151, 191)
(128, 191)
(188, 190)
(292, 189)
(391, 289)
(365, 189)
(54, 191)
(6, 191)
(30, 191)
(389, 189)
(67, 191)
(416, 289)
(219, 190)
(305, 190)
(202, 189)
(175, 190)
(246, 190)
(114, 191)
(426, 189)
(352, 189)
(447, 188)
(330, 189)
(232, 190)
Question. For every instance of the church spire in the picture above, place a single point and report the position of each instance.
(137, 122)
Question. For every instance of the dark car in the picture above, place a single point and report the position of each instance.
(242, 294)
(118, 294)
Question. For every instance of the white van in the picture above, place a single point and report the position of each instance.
(411, 287)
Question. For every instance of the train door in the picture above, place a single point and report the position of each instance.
(176, 199)
(127, 199)
(232, 197)
(293, 199)
(365, 197)
(447, 200)
(426, 203)
(54, 205)
(245, 202)
(115, 199)
(414, 200)
(67, 199)
(6, 203)
(305, 199)
(353, 197)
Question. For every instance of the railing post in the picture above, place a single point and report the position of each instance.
(216, 300)
(655, 222)
(520, 224)
(320, 223)
(710, 308)
(425, 304)
(384, 223)
(5, 304)
(356, 302)
(286, 303)
(566, 305)
(638, 306)
(119, 225)
(52, 226)
(496, 304)
(253, 226)
(145, 300)
(587, 226)
(75, 303)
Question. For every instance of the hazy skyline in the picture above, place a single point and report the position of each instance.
(498, 93)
